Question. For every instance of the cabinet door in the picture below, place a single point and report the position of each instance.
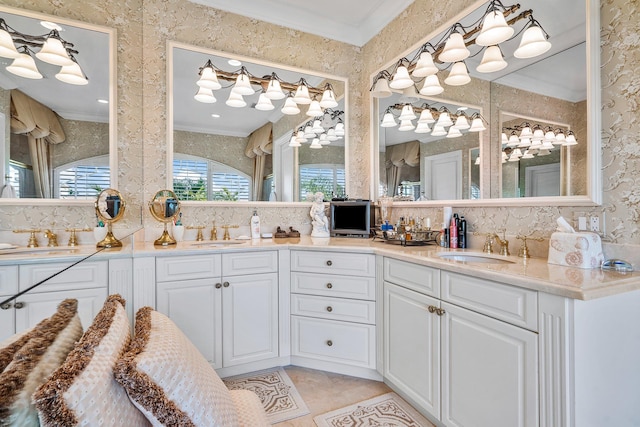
(195, 306)
(250, 316)
(412, 345)
(489, 371)
(7, 320)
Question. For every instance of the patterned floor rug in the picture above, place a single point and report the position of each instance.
(388, 410)
(275, 389)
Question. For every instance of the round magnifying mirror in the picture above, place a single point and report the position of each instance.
(109, 208)
(165, 207)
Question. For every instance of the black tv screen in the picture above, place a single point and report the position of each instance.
(350, 218)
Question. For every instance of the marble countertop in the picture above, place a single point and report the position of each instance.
(533, 273)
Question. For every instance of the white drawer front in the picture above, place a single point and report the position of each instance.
(8, 280)
(237, 264)
(81, 276)
(333, 263)
(334, 308)
(333, 341)
(188, 267)
(419, 278)
(334, 286)
(514, 305)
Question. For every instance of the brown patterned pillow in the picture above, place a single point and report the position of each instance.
(83, 390)
(11, 345)
(35, 361)
(169, 380)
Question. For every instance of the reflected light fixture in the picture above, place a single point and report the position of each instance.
(401, 78)
(235, 100)
(264, 103)
(494, 29)
(492, 60)
(290, 108)
(431, 86)
(325, 128)
(24, 65)
(458, 75)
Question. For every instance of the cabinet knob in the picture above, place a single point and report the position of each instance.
(432, 308)
(225, 284)
(6, 306)
(329, 343)
(218, 285)
(18, 305)
(329, 263)
(329, 309)
(329, 286)
(440, 311)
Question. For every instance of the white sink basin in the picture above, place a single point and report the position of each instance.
(38, 250)
(220, 243)
(477, 257)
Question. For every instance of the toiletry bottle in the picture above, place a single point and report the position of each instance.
(255, 225)
(462, 233)
(453, 232)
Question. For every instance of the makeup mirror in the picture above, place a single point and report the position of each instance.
(165, 208)
(109, 208)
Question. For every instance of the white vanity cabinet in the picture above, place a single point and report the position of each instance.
(227, 304)
(333, 311)
(466, 357)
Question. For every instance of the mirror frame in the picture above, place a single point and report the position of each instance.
(113, 125)
(594, 156)
(171, 44)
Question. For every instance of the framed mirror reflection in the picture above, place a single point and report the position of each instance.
(234, 136)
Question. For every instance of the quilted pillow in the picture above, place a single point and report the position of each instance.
(53, 339)
(83, 390)
(169, 380)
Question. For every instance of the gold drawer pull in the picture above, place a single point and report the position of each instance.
(329, 263)
(329, 309)
(329, 286)
(329, 343)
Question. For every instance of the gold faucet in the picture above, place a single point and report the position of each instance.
(488, 243)
(33, 241)
(504, 243)
(199, 237)
(214, 232)
(226, 231)
(53, 238)
(73, 239)
(524, 250)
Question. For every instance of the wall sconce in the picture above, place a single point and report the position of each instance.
(440, 118)
(321, 130)
(53, 49)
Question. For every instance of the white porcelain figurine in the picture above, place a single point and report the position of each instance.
(319, 220)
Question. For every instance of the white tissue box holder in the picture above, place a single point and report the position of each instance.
(582, 250)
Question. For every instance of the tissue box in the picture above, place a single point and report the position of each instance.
(582, 250)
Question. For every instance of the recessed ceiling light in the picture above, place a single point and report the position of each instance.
(235, 62)
(103, 101)
(51, 25)
(215, 116)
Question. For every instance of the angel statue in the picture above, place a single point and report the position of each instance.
(319, 219)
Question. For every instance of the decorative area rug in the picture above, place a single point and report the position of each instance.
(388, 410)
(275, 389)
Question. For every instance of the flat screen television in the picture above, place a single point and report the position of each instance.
(351, 218)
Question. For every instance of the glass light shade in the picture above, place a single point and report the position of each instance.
(454, 49)
(331, 135)
(264, 103)
(328, 99)
(53, 52)
(209, 79)
(7, 48)
(494, 29)
(438, 131)
(423, 127)
(503, 138)
(324, 140)
(407, 113)
(477, 126)
(205, 95)
(461, 123)
(401, 79)
(504, 157)
(431, 86)
(526, 132)
(317, 127)
(425, 66)
(513, 140)
(444, 119)
(409, 95)
(515, 155)
(294, 142)
(381, 89)
(388, 121)
(524, 142)
(492, 61)
(477, 162)
(538, 135)
(274, 90)
(534, 145)
(340, 129)
(314, 109)
(290, 108)
(302, 95)
(72, 74)
(235, 100)
(308, 132)
(527, 155)
(570, 139)
(550, 136)
(560, 137)
(543, 152)
(547, 145)
(315, 144)
(300, 136)
(454, 133)
(406, 125)
(458, 75)
(243, 85)
(533, 43)
(24, 66)
(426, 116)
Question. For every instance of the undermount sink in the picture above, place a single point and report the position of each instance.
(37, 250)
(477, 257)
(220, 243)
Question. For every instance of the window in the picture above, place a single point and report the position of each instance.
(83, 179)
(326, 178)
(21, 179)
(196, 178)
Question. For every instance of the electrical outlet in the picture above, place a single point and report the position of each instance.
(595, 224)
(582, 223)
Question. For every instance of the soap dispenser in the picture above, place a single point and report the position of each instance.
(255, 225)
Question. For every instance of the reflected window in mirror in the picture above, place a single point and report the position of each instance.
(57, 106)
(202, 179)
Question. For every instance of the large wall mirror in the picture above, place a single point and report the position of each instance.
(530, 121)
(228, 147)
(57, 108)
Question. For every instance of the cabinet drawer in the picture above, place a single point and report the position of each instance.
(82, 276)
(333, 341)
(334, 286)
(419, 278)
(8, 280)
(514, 305)
(237, 264)
(334, 308)
(188, 267)
(334, 263)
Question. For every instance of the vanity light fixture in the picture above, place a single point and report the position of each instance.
(458, 76)
(314, 109)
(326, 128)
(51, 48)
(236, 100)
(538, 140)
(264, 103)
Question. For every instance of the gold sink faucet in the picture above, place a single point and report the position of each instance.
(504, 243)
(524, 249)
(53, 238)
(33, 241)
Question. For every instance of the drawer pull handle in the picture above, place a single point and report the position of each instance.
(18, 305)
(6, 306)
(432, 308)
(440, 311)
(225, 284)
(329, 343)
(218, 285)
(329, 263)
(329, 286)
(329, 309)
